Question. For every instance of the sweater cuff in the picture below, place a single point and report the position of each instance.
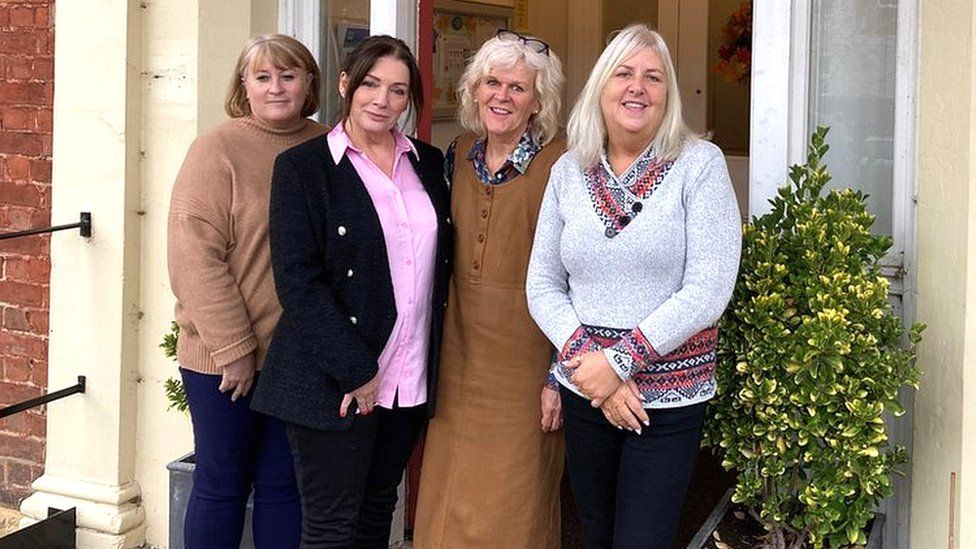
(229, 353)
(631, 354)
(578, 343)
(552, 382)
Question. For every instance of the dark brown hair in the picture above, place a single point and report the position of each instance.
(284, 52)
(361, 60)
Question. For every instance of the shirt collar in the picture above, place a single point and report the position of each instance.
(520, 158)
(339, 142)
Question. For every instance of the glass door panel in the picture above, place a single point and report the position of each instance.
(344, 24)
(853, 47)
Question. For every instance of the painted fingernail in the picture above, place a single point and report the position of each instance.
(647, 423)
(638, 431)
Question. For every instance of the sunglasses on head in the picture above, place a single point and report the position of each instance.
(533, 44)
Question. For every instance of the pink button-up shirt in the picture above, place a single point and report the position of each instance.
(410, 230)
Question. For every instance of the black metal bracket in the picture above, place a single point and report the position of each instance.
(84, 226)
(50, 397)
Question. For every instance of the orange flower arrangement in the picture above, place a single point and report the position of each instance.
(735, 52)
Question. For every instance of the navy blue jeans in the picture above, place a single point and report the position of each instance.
(238, 450)
(629, 488)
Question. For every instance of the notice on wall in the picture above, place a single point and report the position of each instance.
(457, 36)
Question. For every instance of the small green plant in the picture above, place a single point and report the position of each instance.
(175, 393)
(811, 357)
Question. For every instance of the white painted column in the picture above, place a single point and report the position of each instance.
(770, 120)
(90, 463)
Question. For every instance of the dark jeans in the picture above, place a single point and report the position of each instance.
(629, 488)
(348, 479)
(237, 450)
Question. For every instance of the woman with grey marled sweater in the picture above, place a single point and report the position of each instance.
(635, 257)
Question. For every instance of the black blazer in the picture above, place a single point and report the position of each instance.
(333, 280)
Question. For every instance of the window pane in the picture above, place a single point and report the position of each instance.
(345, 23)
(852, 90)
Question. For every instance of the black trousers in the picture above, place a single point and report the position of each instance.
(348, 479)
(629, 488)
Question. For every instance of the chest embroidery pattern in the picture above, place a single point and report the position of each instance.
(618, 203)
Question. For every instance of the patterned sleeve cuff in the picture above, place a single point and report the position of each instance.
(552, 382)
(578, 343)
(631, 354)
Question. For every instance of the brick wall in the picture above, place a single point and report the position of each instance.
(26, 97)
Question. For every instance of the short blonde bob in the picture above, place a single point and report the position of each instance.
(505, 54)
(586, 132)
(284, 52)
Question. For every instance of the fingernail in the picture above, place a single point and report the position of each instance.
(638, 431)
(647, 423)
(620, 427)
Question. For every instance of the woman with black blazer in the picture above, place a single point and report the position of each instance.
(360, 247)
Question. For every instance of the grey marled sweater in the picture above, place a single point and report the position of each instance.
(649, 294)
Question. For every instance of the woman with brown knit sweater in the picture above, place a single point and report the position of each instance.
(220, 272)
(494, 453)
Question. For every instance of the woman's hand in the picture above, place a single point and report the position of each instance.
(552, 410)
(365, 397)
(593, 376)
(623, 408)
(238, 376)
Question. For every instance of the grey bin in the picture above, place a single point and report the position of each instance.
(180, 483)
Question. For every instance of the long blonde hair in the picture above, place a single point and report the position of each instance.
(586, 132)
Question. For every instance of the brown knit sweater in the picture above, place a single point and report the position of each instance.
(219, 258)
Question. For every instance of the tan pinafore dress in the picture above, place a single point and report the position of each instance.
(490, 476)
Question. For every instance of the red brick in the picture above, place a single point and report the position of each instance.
(33, 295)
(17, 168)
(19, 67)
(22, 42)
(44, 120)
(18, 424)
(21, 16)
(41, 17)
(19, 473)
(14, 92)
(43, 68)
(15, 320)
(33, 270)
(19, 218)
(19, 447)
(47, 145)
(20, 194)
(40, 171)
(40, 93)
(39, 321)
(16, 118)
(17, 369)
(29, 245)
(4, 15)
(38, 372)
(22, 143)
(37, 425)
(12, 393)
(25, 345)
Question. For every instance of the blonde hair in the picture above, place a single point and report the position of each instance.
(284, 52)
(505, 54)
(587, 131)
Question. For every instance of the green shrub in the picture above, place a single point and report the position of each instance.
(811, 357)
(175, 393)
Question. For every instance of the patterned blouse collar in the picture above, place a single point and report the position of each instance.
(640, 164)
(517, 163)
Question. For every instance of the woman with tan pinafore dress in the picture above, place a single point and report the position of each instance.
(494, 453)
